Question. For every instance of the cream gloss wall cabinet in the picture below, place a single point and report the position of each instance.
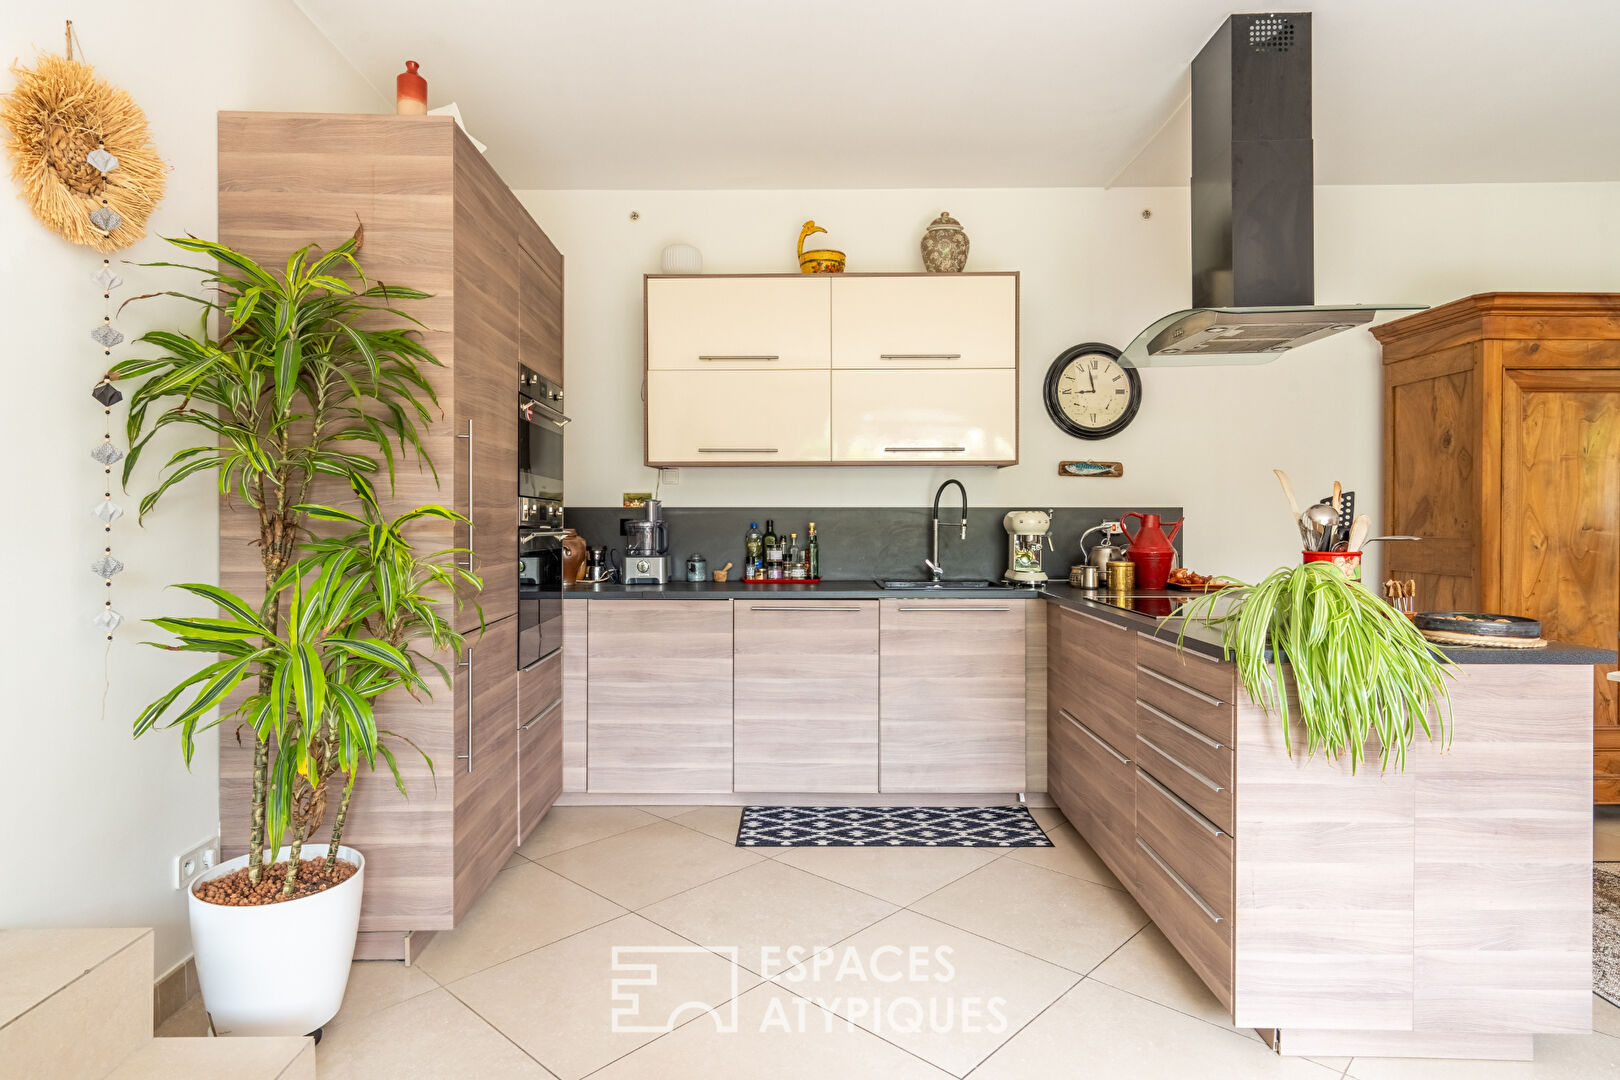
(850, 369)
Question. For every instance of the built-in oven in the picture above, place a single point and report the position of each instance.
(540, 587)
(540, 516)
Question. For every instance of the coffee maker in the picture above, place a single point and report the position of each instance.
(1026, 534)
(646, 548)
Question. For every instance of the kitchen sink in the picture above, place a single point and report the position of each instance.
(966, 583)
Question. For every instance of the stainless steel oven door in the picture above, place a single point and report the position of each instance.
(540, 599)
(540, 450)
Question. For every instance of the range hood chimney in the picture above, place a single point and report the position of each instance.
(1253, 258)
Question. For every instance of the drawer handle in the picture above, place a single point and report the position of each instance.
(553, 707)
(931, 608)
(1179, 652)
(1181, 804)
(1183, 766)
(1183, 687)
(1111, 624)
(925, 449)
(738, 450)
(920, 356)
(723, 359)
(1179, 726)
(762, 607)
(1192, 894)
(1119, 757)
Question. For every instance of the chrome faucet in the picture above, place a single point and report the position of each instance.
(933, 565)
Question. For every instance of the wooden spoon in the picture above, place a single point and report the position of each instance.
(1359, 528)
(1293, 505)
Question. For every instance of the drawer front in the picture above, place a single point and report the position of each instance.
(1099, 674)
(1198, 709)
(1194, 847)
(539, 762)
(806, 658)
(1174, 737)
(1210, 796)
(1106, 784)
(732, 417)
(1215, 678)
(1064, 763)
(815, 753)
(539, 687)
(718, 323)
(948, 416)
(935, 321)
(1201, 935)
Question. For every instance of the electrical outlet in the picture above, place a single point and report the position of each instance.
(199, 860)
(671, 477)
(1112, 527)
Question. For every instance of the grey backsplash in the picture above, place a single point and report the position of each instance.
(861, 542)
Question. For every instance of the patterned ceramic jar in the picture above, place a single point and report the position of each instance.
(944, 246)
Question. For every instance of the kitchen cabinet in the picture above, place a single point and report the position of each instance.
(970, 417)
(539, 741)
(805, 684)
(1502, 450)
(941, 321)
(439, 219)
(705, 417)
(853, 370)
(951, 695)
(659, 706)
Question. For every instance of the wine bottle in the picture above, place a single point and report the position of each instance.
(812, 554)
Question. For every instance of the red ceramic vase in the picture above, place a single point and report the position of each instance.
(410, 92)
(1151, 550)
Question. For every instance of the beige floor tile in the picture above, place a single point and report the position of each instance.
(945, 995)
(1149, 966)
(1071, 855)
(1048, 817)
(899, 875)
(643, 866)
(264, 1058)
(768, 912)
(375, 985)
(516, 860)
(190, 1021)
(719, 822)
(1053, 916)
(778, 1036)
(526, 907)
(557, 1002)
(670, 811)
(1606, 833)
(1097, 1031)
(430, 1037)
(566, 827)
(1558, 1057)
(1605, 1017)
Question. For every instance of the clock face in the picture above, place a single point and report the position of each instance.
(1091, 393)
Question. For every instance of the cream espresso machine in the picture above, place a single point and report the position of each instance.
(1026, 536)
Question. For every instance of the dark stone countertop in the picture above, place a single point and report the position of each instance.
(826, 590)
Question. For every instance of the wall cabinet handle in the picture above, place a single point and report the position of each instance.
(1181, 804)
(784, 607)
(553, 707)
(1192, 894)
(468, 561)
(920, 356)
(1183, 687)
(721, 359)
(1183, 766)
(468, 664)
(738, 450)
(925, 449)
(1179, 726)
(1098, 739)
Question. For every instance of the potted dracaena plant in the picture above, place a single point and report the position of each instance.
(312, 374)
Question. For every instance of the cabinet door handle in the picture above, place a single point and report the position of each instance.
(1098, 739)
(783, 607)
(925, 449)
(1181, 804)
(1183, 687)
(468, 664)
(468, 561)
(920, 356)
(1111, 624)
(553, 707)
(1183, 766)
(1192, 894)
(738, 450)
(1179, 726)
(931, 608)
(722, 359)
(1183, 653)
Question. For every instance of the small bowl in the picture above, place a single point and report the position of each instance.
(821, 261)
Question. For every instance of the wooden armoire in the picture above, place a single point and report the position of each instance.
(1502, 450)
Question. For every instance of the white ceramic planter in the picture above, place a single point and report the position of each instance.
(278, 969)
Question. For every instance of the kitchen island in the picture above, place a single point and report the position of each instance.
(1443, 910)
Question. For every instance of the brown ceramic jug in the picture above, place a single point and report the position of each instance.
(573, 548)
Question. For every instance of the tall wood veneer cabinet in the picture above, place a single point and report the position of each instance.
(437, 218)
(1502, 450)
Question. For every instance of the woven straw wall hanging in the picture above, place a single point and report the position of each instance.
(81, 152)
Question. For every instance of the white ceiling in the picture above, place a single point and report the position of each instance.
(983, 93)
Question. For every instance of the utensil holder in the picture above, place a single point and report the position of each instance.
(1348, 562)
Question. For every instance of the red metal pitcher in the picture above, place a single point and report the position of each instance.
(1151, 550)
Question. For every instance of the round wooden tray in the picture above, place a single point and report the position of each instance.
(1446, 637)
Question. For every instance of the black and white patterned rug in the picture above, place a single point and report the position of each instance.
(889, 826)
(1606, 931)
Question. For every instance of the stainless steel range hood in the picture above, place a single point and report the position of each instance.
(1254, 281)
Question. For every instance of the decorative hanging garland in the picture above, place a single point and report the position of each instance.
(107, 454)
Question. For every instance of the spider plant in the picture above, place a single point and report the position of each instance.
(311, 373)
(1360, 668)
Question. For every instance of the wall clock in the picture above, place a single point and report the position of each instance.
(1091, 393)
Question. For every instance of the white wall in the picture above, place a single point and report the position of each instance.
(1093, 269)
(94, 819)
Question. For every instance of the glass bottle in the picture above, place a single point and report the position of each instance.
(812, 554)
(754, 549)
